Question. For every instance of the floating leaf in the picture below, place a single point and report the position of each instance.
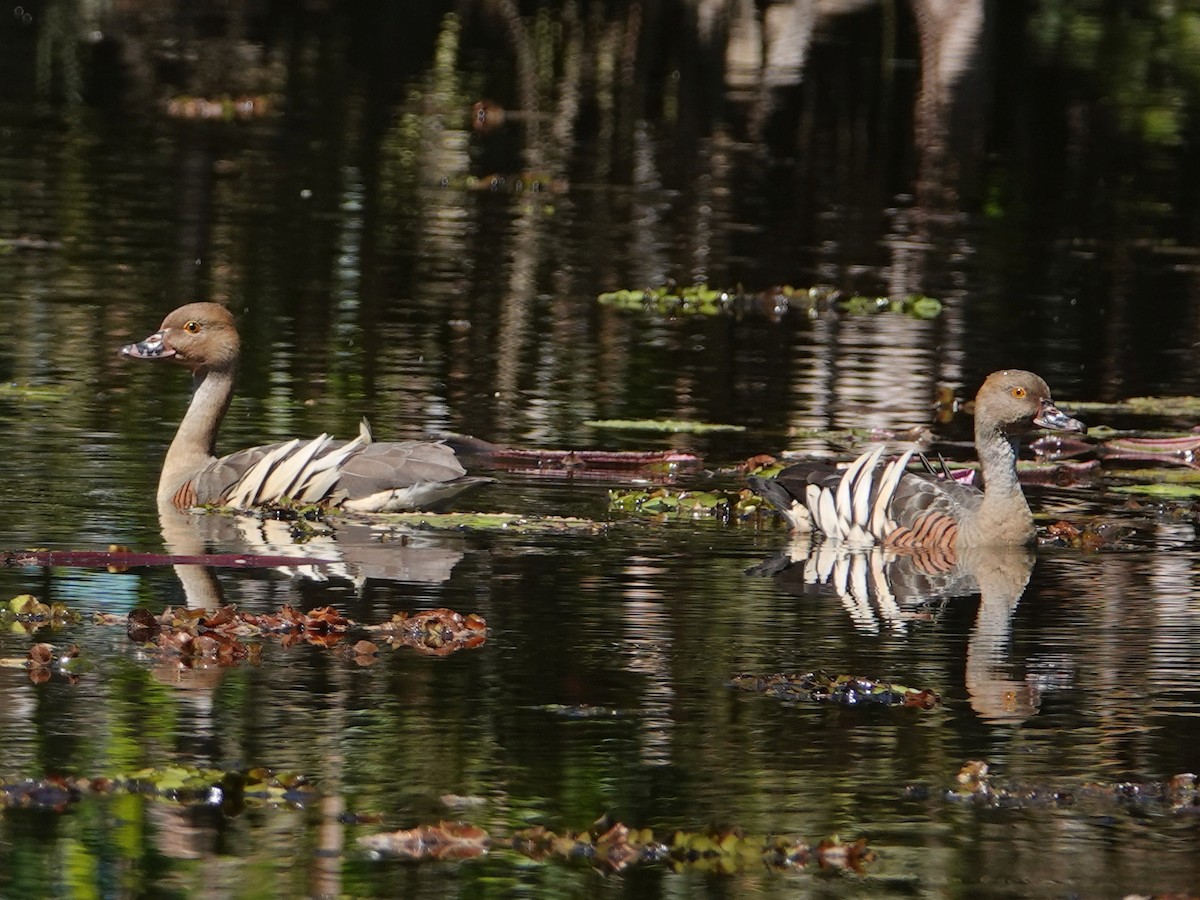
(1151, 406)
(976, 783)
(685, 503)
(1160, 490)
(579, 463)
(121, 559)
(446, 840)
(491, 522)
(1089, 537)
(700, 299)
(666, 425)
(1168, 476)
(615, 846)
(844, 690)
(223, 108)
(436, 631)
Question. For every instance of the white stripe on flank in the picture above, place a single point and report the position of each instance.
(247, 488)
(881, 520)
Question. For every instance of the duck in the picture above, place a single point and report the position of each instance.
(359, 475)
(873, 501)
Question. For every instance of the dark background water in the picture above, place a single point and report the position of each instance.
(1029, 164)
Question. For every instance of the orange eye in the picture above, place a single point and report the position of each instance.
(1018, 392)
(193, 327)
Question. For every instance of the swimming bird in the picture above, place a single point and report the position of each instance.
(872, 502)
(360, 475)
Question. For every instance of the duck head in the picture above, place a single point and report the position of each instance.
(198, 336)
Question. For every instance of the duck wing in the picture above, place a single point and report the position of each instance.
(927, 510)
(872, 500)
(356, 474)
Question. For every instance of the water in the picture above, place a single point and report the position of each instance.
(370, 279)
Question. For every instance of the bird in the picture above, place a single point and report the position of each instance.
(359, 475)
(877, 502)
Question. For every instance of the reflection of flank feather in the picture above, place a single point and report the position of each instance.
(356, 550)
(880, 587)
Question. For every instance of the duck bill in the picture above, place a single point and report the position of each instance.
(153, 347)
(1050, 416)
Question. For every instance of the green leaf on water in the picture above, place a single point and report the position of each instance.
(510, 522)
(666, 425)
(685, 503)
(700, 299)
(1161, 490)
(1144, 406)
(1157, 476)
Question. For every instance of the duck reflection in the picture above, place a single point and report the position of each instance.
(881, 588)
(356, 552)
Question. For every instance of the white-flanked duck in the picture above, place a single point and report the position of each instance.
(874, 502)
(359, 475)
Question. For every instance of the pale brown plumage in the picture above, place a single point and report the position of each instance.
(358, 475)
(871, 502)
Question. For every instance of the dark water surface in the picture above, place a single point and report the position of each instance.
(1045, 193)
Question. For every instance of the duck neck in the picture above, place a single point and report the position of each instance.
(195, 442)
(1004, 516)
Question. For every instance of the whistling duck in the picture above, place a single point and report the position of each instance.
(873, 503)
(358, 475)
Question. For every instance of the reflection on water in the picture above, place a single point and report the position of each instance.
(1046, 198)
(880, 587)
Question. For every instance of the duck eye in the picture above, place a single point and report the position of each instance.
(1018, 392)
(193, 327)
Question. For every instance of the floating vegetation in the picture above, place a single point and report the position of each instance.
(843, 690)
(120, 559)
(580, 711)
(44, 660)
(1182, 447)
(700, 299)
(1161, 490)
(1065, 534)
(27, 612)
(436, 631)
(578, 463)
(520, 183)
(675, 426)
(1145, 406)
(223, 108)
(192, 637)
(445, 840)
(491, 522)
(613, 847)
(231, 791)
(975, 784)
(686, 503)
(1168, 476)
